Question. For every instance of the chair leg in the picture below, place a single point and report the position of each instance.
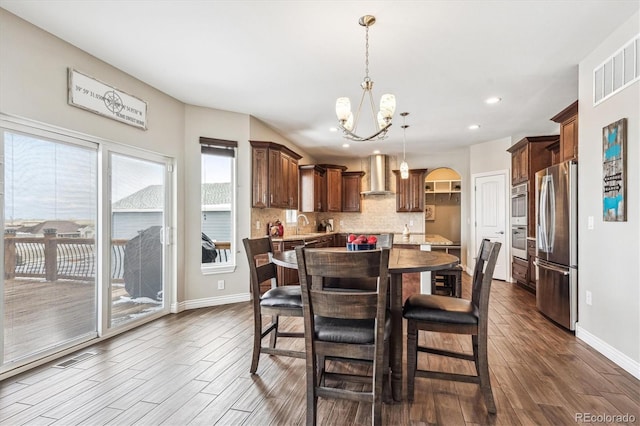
(458, 287)
(483, 373)
(274, 333)
(378, 386)
(257, 341)
(312, 372)
(412, 357)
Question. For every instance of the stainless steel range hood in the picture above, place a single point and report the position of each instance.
(378, 172)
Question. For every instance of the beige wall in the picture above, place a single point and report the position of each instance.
(608, 255)
(201, 289)
(33, 85)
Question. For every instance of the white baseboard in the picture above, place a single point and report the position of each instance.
(623, 361)
(209, 301)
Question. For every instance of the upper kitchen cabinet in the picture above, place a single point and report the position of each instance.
(568, 146)
(351, 188)
(312, 188)
(528, 156)
(275, 176)
(332, 201)
(410, 192)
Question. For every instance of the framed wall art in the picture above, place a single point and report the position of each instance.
(430, 212)
(614, 171)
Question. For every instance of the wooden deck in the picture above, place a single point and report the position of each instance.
(192, 368)
(39, 313)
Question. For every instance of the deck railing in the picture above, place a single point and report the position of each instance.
(52, 258)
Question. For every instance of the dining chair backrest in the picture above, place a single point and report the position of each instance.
(483, 274)
(261, 267)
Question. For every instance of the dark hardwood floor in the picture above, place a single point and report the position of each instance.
(193, 368)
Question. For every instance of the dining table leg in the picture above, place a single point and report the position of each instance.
(396, 336)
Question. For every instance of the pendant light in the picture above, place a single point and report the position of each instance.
(404, 167)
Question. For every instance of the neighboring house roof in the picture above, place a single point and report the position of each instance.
(152, 197)
(61, 227)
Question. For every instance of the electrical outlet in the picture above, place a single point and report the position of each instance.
(589, 300)
(257, 224)
(410, 223)
(342, 223)
(590, 222)
(220, 284)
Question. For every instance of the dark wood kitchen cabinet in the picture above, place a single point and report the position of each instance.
(410, 192)
(568, 146)
(333, 183)
(351, 188)
(528, 156)
(531, 255)
(520, 271)
(312, 187)
(274, 176)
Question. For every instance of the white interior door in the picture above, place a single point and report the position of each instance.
(491, 216)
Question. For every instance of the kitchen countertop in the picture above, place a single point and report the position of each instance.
(304, 237)
(414, 239)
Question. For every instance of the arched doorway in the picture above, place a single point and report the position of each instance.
(442, 192)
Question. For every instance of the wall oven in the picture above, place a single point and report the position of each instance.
(519, 205)
(519, 241)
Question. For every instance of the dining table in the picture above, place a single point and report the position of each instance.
(401, 261)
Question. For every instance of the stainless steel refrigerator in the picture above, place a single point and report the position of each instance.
(557, 243)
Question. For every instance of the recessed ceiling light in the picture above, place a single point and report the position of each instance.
(474, 127)
(345, 145)
(377, 151)
(333, 129)
(493, 100)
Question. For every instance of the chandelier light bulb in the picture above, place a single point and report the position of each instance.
(343, 109)
(404, 170)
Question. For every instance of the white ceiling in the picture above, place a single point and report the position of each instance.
(285, 62)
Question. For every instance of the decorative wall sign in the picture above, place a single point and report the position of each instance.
(92, 95)
(430, 212)
(614, 171)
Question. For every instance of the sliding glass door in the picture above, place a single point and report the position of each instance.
(138, 233)
(86, 247)
(49, 222)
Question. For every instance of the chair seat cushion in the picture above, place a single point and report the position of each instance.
(433, 308)
(349, 330)
(289, 296)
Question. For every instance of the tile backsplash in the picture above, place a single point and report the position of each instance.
(378, 215)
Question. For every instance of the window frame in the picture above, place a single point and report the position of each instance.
(227, 148)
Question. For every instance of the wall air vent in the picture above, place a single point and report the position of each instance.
(617, 72)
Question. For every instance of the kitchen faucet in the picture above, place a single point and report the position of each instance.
(306, 222)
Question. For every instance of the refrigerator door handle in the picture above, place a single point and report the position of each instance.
(542, 222)
(551, 267)
(552, 203)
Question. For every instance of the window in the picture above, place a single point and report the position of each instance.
(217, 201)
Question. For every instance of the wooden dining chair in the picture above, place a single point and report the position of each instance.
(285, 301)
(350, 326)
(445, 314)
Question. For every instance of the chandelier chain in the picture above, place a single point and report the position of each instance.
(366, 54)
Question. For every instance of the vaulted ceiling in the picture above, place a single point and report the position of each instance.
(286, 62)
